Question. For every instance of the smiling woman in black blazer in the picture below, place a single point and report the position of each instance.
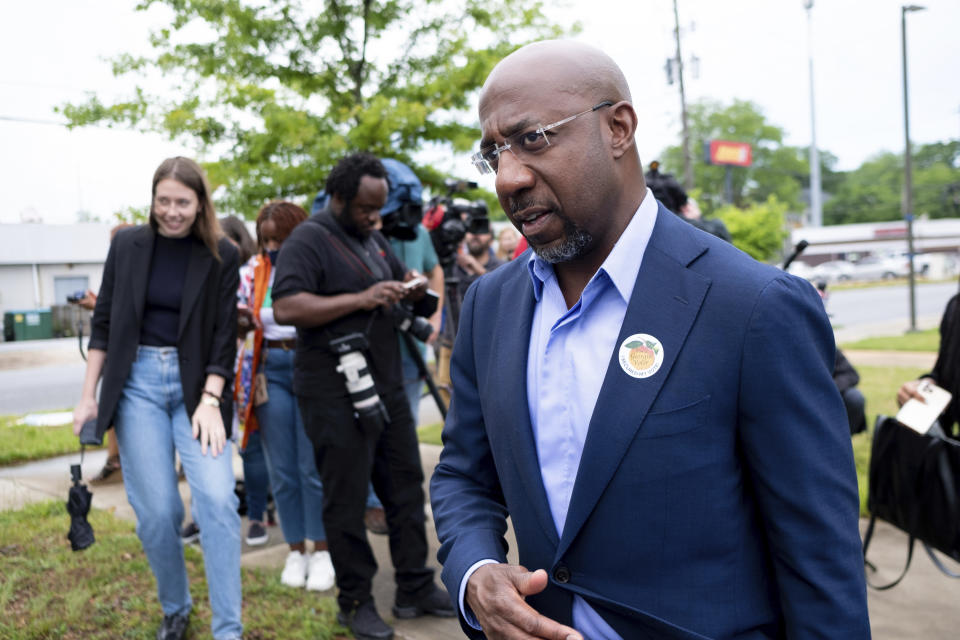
(163, 338)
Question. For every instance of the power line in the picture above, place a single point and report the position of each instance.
(61, 123)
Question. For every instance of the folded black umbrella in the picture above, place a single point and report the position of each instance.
(78, 506)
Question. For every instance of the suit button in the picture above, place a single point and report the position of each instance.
(561, 574)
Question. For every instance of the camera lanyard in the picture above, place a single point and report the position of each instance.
(347, 248)
(378, 270)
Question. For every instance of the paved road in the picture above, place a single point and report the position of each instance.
(852, 307)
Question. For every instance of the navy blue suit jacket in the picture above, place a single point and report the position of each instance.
(716, 498)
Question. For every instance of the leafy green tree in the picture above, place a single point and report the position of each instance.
(131, 215)
(777, 169)
(757, 229)
(277, 90)
(873, 191)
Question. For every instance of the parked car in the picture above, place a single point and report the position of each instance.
(833, 271)
(881, 268)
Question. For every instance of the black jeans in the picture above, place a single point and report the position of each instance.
(348, 458)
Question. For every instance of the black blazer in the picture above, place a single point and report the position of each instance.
(207, 336)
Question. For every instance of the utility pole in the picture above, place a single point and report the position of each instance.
(907, 202)
(687, 161)
(816, 200)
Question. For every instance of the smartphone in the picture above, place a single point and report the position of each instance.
(413, 284)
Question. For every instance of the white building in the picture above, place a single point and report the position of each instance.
(848, 241)
(41, 264)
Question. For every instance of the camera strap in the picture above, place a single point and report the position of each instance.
(354, 254)
(367, 253)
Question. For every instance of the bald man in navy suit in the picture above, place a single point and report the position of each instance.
(652, 408)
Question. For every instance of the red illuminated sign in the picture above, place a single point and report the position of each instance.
(739, 154)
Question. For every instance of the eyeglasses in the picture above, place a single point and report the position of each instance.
(486, 160)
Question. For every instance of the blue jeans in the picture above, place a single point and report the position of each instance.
(151, 425)
(256, 481)
(297, 489)
(412, 386)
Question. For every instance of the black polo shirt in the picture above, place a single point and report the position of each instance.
(313, 260)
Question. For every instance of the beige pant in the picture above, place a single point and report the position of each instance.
(442, 374)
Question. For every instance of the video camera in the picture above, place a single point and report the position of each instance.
(449, 219)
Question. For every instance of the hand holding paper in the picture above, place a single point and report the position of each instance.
(920, 416)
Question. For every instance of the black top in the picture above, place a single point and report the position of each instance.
(314, 259)
(946, 372)
(161, 311)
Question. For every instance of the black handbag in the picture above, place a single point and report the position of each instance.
(914, 483)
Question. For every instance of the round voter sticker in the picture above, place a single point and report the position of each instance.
(641, 355)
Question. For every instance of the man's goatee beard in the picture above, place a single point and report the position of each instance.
(571, 248)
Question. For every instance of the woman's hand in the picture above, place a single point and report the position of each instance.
(208, 425)
(85, 411)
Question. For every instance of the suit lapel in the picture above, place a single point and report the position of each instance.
(665, 301)
(140, 269)
(200, 262)
(517, 301)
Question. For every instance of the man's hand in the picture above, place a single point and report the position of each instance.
(910, 390)
(470, 264)
(495, 593)
(382, 294)
(416, 292)
(208, 424)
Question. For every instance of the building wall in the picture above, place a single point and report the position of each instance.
(842, 241)
(17, 289)
(50, 272)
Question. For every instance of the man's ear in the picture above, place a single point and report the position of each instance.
(623, 127)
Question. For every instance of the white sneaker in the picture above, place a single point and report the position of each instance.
(294, 570)
(320, 575)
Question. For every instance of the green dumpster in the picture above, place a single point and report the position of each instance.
(28, 324)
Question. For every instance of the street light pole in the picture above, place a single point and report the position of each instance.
(907, 201)
(816, 200)
(687, 160)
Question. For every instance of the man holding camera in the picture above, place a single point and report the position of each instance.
(338, 282)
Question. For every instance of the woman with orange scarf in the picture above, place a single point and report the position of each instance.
(266, 403)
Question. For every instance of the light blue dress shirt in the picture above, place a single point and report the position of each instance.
(569, 353)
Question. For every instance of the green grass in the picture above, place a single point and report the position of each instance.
(928, 340)
(892, 282)
(430, 433)
(22, 443)
(107, 591)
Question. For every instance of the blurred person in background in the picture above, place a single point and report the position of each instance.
(507, 241)
(268, 408)
(946, 370)
(236, 232)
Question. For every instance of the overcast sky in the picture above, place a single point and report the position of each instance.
(55, 50)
